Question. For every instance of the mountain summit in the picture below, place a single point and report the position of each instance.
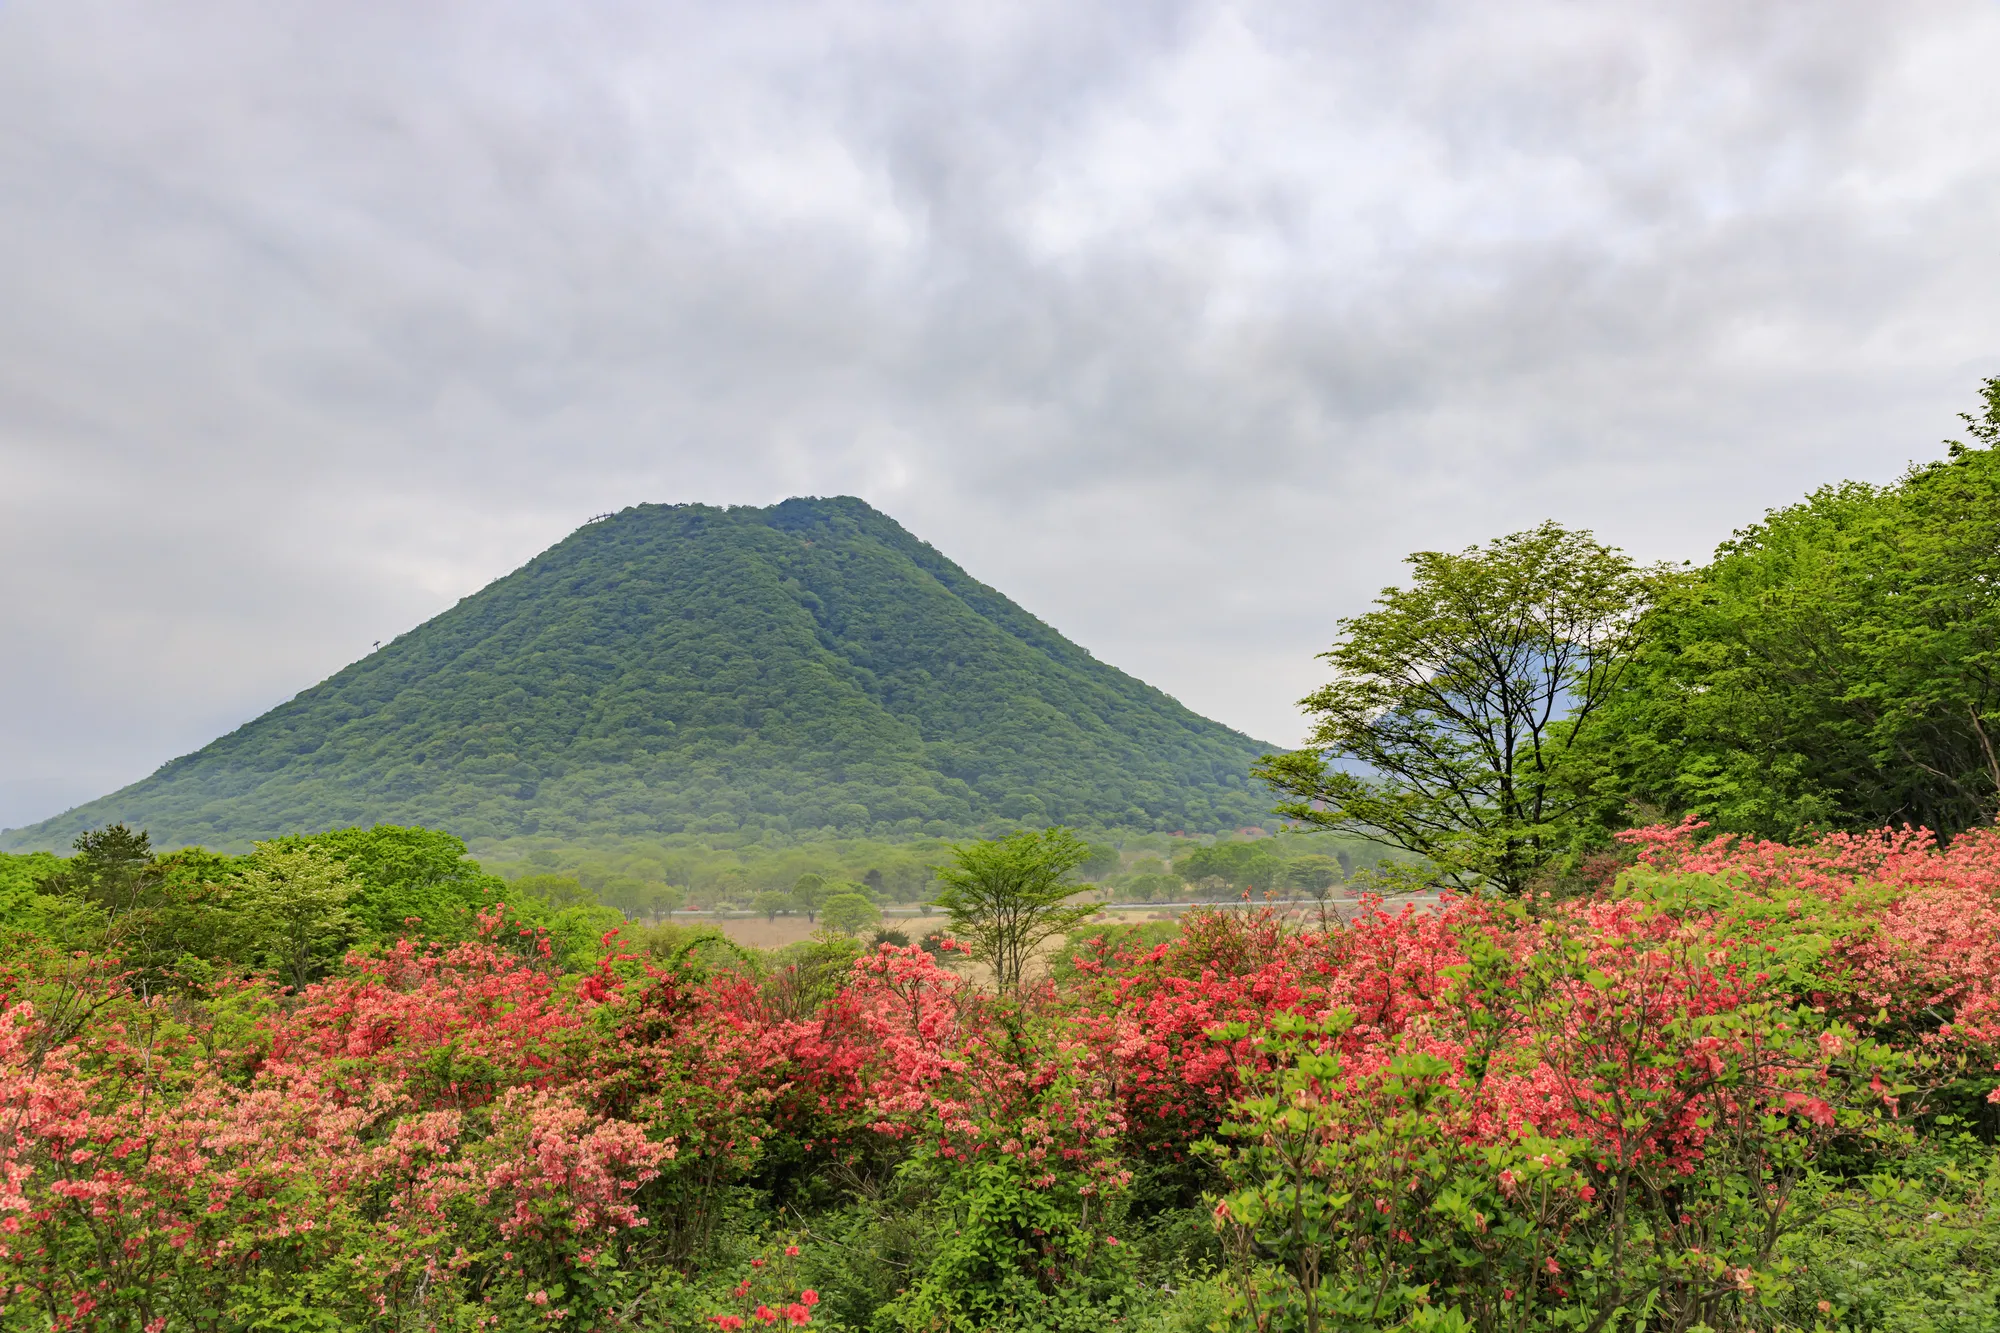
(678, 668)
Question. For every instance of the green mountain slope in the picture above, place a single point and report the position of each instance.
(692, 669)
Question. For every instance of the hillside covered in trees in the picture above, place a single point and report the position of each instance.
(693, 669)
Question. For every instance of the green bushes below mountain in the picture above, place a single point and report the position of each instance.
(292, 907)
(300, 903)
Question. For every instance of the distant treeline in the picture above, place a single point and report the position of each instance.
(646, 879)
(293, 907)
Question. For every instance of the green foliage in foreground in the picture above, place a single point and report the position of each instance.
(1282, 1168)
(674, 669)
(1915, 1249)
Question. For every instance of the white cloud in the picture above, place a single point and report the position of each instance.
(1179, 323)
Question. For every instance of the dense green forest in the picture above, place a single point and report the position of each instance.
(803, 668)
(1837, 665)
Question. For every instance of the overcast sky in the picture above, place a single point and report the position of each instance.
(1180, 323)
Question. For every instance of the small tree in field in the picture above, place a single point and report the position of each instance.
(808, 893)
(849, 913)
(1010, 896)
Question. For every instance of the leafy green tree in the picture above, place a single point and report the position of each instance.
(409, 880)
(636, 896)
(576, 933)
(1313, 874)
(808, 891)
(113, 869)
(1007, 897)
(1151, 888)
(557, 891)
(1239, 865)
(295, 902)
(1836, 665)
(21, 882)
(1103, 860)
(1457, 702)
(164, 917)
(771, 902)
(662, 899)
(849, 913)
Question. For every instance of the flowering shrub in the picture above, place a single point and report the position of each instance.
(1617, 1110)
(768, 1294)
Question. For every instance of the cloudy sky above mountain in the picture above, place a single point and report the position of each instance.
(1181, 323)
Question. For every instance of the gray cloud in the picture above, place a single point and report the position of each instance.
(1180, 323)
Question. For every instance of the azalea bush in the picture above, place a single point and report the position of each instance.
(1732, 1085)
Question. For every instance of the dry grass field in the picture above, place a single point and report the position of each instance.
(759, 933)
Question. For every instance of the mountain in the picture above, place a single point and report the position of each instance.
(686, 668)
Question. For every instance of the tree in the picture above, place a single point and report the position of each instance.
(1103, 860)
(1312, 874)
(808, 891)
(636, 896)
(1457, 700)
(162, 916)
(849, 913)
(558, 891)
(1836, 665)
(113, 868)
(294, 900)
(1007, 897)
(1239, 865)
(1152, 887)
(771, 902)
(400, 873)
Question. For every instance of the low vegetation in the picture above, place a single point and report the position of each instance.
(1742, 1085)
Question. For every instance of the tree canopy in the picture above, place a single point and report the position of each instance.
(1457, 701)
(1836, 666)
(1009, 896)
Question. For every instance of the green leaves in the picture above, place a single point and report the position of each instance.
(1461, 698)
(1009, 896)
(292, 902)
(849, 913)
(1837, 665)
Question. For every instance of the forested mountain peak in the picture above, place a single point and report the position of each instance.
(691, 668)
